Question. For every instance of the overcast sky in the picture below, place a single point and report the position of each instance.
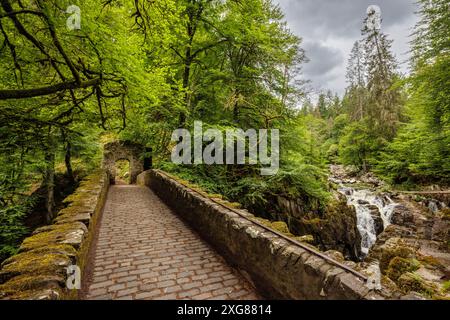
(329, 29)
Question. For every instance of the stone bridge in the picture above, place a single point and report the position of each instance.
(159, 239)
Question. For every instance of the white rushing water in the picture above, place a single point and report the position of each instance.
(362, 200)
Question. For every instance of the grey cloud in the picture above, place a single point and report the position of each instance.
(330, 27)
(342, 18)
(323, 59)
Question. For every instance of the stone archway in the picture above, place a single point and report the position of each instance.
(125, 150)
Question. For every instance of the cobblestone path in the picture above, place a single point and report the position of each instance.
(145, 251)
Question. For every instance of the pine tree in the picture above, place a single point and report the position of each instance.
(322, 107)
(356, 69)
(384, 101)
(356, 78)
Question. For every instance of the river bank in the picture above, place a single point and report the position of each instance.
(406, 234)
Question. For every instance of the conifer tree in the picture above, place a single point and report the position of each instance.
(384, 101)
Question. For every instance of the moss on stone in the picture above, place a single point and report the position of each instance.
(45, 294)
(235, 205)
(280, 226)
(263, 221)
(335, 255)
(395, 247)
(431, 262)
(216, 196)
(39, 270)
(83, 217)
(35, 264)
(446, 213)
(411, 282)
(283, 228)
(55, 234)
(86, 203)
(306, 239)
(315, 221)
(446, 287)
(27, 282)
(73, 210)
(387, 283)
(59, 249)
(398, 266)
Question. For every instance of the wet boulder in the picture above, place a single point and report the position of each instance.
(378, 221)
(402, 216)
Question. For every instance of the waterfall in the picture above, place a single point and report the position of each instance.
(362, 200)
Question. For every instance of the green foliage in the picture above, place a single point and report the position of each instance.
(305, 180)
(12, 228)
(421, 151)
(358, 145)
(123, 170)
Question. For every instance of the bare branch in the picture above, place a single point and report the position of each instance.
(43, 91)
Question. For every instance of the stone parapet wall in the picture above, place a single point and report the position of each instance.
(278, 268)
(39, 270)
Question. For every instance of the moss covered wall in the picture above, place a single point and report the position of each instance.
(278, 268)
(39, 271)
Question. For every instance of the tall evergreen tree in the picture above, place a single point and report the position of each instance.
(384, 101)
(356, 77)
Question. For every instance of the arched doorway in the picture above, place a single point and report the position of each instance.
(114, 155)
(123, 171)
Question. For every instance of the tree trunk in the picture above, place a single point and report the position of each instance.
(365, 167)
(186, 78)
(49, 181)
(67, 160)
